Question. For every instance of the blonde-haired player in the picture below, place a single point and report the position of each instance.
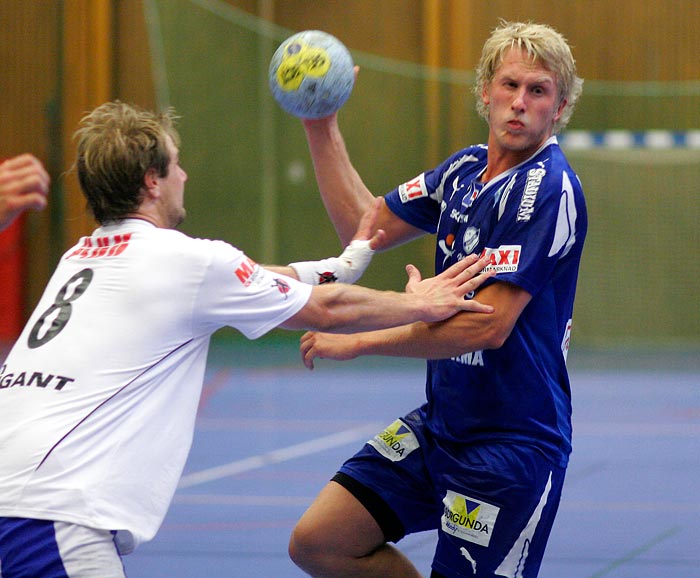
(483, 461)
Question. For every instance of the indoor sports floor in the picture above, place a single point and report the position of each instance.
(270, 434)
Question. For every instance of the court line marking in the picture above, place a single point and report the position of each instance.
(313, 446)
(238, 500)
(636, 552)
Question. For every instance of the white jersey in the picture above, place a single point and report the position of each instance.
(98, 397)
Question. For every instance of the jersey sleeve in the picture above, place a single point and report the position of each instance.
(238, 292)
(419, 201)
(412, 202)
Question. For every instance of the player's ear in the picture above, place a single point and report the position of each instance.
(150, 182)
(560, 110)
(485, 98)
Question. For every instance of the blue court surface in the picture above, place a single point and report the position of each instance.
(270, 434)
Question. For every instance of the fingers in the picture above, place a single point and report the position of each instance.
(468, 272)
(470, 279)
(473, 275)
(469, 266)
(305, 347)
(367, 229)
(474, 306)
(23, 174)
(414, 277)
(368, 222)
(377, 240)
(35, 201)
(24, 184)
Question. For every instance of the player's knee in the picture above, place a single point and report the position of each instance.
(306, 546)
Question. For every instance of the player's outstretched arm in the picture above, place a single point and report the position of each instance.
(348, 309)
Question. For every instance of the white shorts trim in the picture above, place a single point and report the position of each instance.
(514, 563)
(88, 552)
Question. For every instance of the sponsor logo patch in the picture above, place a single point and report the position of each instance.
(471, 239)
(282, 286)
(246, 271)
(38, 379)
(468, 518)
(413, 189)
(532, 187)
(109, 246)
(503, 259)
(473, 358)
(395, 442)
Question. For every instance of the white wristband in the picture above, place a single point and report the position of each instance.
(347, 268)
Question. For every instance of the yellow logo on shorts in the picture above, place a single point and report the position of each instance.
(467, 518)
(395, 442)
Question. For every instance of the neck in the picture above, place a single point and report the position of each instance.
(499, 160)
(143, 218)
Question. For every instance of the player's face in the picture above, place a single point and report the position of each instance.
(173, 189)
(523, 105)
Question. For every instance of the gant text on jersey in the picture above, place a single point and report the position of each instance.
(32, 379)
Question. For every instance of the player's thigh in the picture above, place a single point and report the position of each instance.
(337, 522)
(390, 475)
(498, 512)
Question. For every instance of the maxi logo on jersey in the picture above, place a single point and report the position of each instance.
(395, 442)
(413, 189)
(247, 271)
(503, 259)
(468, 518)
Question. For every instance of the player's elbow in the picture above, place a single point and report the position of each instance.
(326, 320)
(495, 335)
(494, 341)
(321, 312)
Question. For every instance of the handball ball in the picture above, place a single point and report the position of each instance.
(311, 74)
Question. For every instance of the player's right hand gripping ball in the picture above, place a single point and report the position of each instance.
(311, 74)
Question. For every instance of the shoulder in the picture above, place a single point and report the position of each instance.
(549, 172)
(169, 249)
(177, 241)
(464, 164)
(465, 159)
(557, 164)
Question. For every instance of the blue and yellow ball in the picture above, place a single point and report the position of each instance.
(311, 74)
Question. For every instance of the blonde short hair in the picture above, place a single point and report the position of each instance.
(546, 46)
(118, 144)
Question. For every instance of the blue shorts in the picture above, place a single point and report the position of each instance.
(493, 504)
(44, 549)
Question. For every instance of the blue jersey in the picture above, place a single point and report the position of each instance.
(531, 221)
